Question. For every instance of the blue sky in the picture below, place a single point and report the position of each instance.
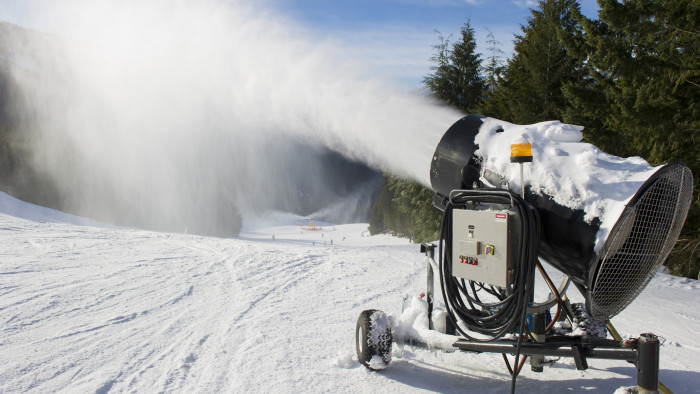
(393, 37)
(397, 35)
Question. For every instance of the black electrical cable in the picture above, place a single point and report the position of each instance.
(499, 318)
(463, 303)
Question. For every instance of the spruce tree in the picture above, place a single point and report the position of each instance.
(494, 67)
(531, 90)
(439, 82)
(382, 210)
(404, 207)
(456, 77)
(643, 92)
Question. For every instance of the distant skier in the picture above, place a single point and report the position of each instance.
(273, 237)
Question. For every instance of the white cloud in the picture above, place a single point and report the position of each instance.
(400, 53)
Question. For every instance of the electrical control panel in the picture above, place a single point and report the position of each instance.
(484, 243)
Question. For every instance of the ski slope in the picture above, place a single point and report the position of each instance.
(93, 308)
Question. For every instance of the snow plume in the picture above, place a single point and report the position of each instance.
(163, 113)
(352, 207)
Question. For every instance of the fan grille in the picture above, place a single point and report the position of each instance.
(639, 244)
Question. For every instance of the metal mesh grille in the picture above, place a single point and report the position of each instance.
(641, 242)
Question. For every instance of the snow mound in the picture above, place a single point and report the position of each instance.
(377, 362)
(413, 326)
(574, 174)
(12, 206)
(345, 360)
(560, 132)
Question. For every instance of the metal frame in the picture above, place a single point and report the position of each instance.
(642, 352)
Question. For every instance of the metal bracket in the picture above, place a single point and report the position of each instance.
(579, 357)
(429, 250)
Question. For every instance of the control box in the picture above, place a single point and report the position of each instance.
(484, 243)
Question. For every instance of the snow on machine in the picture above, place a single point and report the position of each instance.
(514, 198)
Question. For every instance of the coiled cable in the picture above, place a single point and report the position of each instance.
(508, 313)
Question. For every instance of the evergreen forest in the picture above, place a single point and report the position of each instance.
(631, 77)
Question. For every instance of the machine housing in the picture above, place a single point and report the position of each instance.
(484, 244)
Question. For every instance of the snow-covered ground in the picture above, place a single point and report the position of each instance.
(86, 307)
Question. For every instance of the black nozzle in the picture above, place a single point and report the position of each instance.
(453, 166)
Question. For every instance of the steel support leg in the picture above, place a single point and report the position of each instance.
(429, 250)
(538, 333)
(648, 364)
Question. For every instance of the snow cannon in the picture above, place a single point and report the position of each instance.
(612, 245)
(517, 199)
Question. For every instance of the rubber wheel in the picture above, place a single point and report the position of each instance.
(373, 339)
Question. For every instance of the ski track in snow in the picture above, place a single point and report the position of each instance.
(100, 309)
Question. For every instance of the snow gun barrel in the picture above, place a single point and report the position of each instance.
(611, 260)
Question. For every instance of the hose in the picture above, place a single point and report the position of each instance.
(503, 316)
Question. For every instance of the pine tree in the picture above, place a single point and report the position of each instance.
(494, 67)
(405, 208)
(531, 90)
(643, 90)
(415, 205)
(456, 77)
(382, 210)
(439, 83)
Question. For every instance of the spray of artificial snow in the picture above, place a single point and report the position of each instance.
(168, 110)
(574, 174)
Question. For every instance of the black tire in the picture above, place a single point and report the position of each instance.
(373, 339)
